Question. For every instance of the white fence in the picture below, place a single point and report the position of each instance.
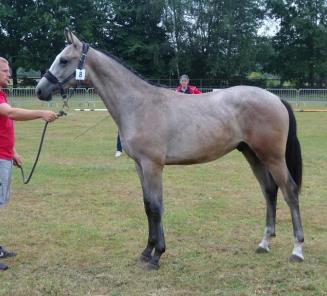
(89, 97)
(80, 96)
(302, 96)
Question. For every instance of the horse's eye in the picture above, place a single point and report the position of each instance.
(63, 61)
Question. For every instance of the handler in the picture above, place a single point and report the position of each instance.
(8, 154)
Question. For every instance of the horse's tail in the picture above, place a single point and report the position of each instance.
(293, 149)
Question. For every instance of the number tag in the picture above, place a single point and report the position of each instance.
(80, 74)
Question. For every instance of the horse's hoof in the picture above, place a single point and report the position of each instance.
(295, 258)
(261, 250)
(144, 259)
(151, 267)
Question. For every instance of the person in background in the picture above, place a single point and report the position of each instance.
(8, 154)
(185, 88)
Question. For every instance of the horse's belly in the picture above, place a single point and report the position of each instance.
(193, 153)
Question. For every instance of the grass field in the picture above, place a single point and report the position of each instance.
(80, 225)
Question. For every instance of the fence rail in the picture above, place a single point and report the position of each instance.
(89, 97)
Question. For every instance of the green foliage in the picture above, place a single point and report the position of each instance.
(207, 39)
(301, 42)
(32, 31)
(214, 39)
(13, 21)
(135, 34)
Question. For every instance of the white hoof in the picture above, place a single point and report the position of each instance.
(296, 258)
(118, 153)
(297, 255)
(262, 250)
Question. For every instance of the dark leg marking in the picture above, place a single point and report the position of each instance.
(151, 179)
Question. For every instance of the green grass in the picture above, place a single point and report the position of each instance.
(80, 225)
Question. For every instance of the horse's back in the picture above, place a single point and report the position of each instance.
(205, 127)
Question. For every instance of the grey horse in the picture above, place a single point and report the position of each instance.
(161, 127)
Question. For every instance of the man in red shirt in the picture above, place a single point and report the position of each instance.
(8, 154)
(185, 88)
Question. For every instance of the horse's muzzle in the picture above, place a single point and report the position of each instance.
(42, 96)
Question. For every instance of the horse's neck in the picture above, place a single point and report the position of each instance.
(120, 90)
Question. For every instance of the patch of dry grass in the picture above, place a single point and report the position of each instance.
(79, 226)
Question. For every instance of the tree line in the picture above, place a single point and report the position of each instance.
(217, 40)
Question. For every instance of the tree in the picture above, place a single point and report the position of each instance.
(135, 33)
(176, 25)
(13, 21)
(301, 43)
(214, 38)
(32, 31)
(234, 27)
(45, 39)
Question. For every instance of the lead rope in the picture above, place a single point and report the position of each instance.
(91, 127)
(60, 114)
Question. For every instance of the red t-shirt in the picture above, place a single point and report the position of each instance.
(7, 138)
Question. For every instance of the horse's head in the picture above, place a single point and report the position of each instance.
(63, 71)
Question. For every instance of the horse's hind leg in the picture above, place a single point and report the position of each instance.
(151, 180)
(269, 190)
(282, 177)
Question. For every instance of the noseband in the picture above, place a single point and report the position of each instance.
(78, 74)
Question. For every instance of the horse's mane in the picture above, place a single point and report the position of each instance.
(125, 65)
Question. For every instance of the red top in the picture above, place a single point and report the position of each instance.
(192, 90)
(7, 138)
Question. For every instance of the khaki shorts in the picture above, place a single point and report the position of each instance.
(5, 181)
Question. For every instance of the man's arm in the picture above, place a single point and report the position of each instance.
(24, 114)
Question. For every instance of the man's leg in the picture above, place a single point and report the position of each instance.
(5, 182)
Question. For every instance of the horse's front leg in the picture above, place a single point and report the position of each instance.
(147, 253)
(151, 180)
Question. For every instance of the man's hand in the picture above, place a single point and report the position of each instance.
(49, 116)
(17, 160)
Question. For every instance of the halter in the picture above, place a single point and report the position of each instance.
(78, 74)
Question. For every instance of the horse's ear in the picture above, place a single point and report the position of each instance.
(71, 38)
(66, 33)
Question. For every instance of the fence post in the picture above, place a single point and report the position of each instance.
(298, 98)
